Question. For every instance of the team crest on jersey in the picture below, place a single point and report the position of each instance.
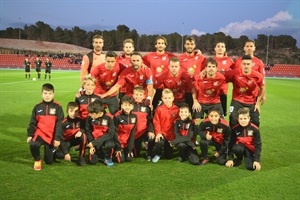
(143, 108)
(250, 82)
(219, 130)
(133, 120)
(77, 125)
(93, 99)
(179, 83)
(141, 77)
(52, 111)
(250, 133)
(159, 69)
(164, 58)
(216, 83)
(187, 126)
(104, 122)
(196, 57)
(224, 62)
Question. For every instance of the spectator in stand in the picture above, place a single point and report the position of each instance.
(225, 63)
(192, 62)
(124, 60)
(158, 62)
(93, 58)
(38, 65)
(245, 143)
(257, 64)
(27, 66)
(48, 66)
(131, 77)
(106, 76)
(248, 90)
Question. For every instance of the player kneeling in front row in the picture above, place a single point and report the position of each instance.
(184, 131)
(100, 132)
(45, 127)
(215, 131)
(74, 133)
(245, 142)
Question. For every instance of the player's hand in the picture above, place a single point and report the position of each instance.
(257, 107)
(202, 74)
(29, 139)
(159, 137)
(151, 135)
(208, 136)
(118, 154)
(170, 144)
(130, 155)
(78, 134)
(67, 157)
(229, 163)
(196, 106)
(256, 166)
(92, 150)
(217, 154)
(56, 143)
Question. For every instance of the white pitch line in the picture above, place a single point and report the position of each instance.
(27, 81)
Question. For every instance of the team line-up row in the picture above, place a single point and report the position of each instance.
(192, 84)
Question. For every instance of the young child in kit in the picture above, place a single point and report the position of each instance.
(45, 127)
(163, 121)
(100, 131)
(184, 131)
(214, 130)
(144, 125)
(125, 122)
(73, 133)
(245, 142)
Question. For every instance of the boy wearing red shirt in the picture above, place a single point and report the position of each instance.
(163, 121)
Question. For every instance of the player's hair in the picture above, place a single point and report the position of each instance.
(220, 42)
(174, 59)
(185, 105)
(89, 77)
(162, 38)
(97, 36)
(110, 54)
(190, 39)
(127, 99)
(139, 89)
(246, 57)
(96, 107)
(72, 105)
(214, 109)
(243, 111)
(166, 91)
(48, 87)
(211, 60)
(128, 41)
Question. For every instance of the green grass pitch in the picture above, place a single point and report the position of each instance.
(167, 179)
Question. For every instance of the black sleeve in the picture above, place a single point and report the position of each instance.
(89, 129)
(201, 130)
(131, 138)
(257, 145)
(58, 126)
(32, 123)
(115, 137)
(150, 120)
(230, 145)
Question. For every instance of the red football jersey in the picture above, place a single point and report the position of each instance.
(257, 65)
(224, 64)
